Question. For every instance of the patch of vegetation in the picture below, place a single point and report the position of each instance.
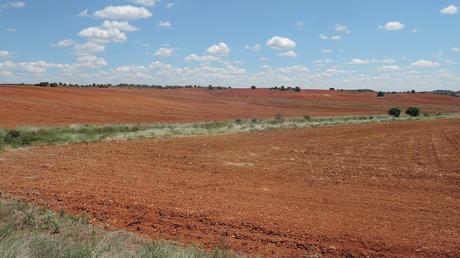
(380, 94)
(29, 231)
(38, 136)
(395, 112)
(413, 111)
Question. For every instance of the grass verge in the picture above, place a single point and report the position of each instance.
(29, 231)
(33, 136)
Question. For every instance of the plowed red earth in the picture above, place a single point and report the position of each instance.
(388, 189)
(62, 106)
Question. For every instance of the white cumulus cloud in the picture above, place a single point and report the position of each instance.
(164, 52)
(425, 63)
(123, 26)
(126, 12)
(103, 35)
(14, 5)
(64, 43)
(451, 9)
(393, 26)
(342, 28)
(4, 54)
(388, 68)
(358, 61)
(91, 61)
(278, 42)
(165, 24)
(219, 49)
(197, 58)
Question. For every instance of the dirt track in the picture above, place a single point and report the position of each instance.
(61, 106)
(377, 189)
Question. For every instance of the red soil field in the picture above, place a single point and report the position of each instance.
(375, 190)
(63, 106)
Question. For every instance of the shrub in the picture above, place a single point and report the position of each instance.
(13, 134)
(238, 121)
(253, 87)
(331, 89)
(307, 117)
(297, 89)
(380, 94)
(396, 112)
(413, 111)
(279, 118)
(254, 120)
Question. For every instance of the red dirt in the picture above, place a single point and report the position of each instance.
(62, 106)
(368, 190)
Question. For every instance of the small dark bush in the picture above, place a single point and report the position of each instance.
(297, 89)
(380, 94)
(253, 87)
(254, 120)
(279, 118)
(331, 88)
(307, 117)
(238, 121)
(413, 111)
(396, 112)
(13, 134)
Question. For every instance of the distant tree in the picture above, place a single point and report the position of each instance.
(380, 94)
(413, 111)
(283, 88)
(396, 112)
(53, 84)
(297, 89)
(331, 88)
(253, 87)
(210, 87)
(44, 84)
(412, 91)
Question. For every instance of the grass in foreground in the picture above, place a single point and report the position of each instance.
(33, 136)
(29, 231)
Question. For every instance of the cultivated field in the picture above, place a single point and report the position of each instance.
(386, 189)
(63, 106)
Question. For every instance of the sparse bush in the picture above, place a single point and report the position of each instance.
(13, 134)
(413, 111)
(279, 118)
(380, 94)
(396, 112)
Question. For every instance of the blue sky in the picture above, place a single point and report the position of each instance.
(381, 44)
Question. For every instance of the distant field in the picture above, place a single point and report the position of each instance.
(377, 190)
(63, 106)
